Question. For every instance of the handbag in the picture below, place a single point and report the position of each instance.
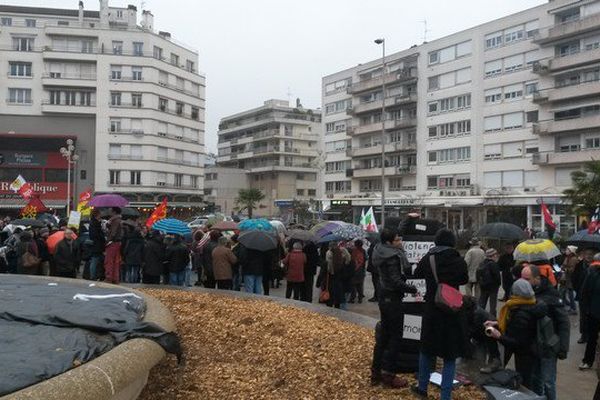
(30, 260)
(324, 296)
(446, 297)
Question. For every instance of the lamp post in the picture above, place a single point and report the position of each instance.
(68, 153)
(381, 41)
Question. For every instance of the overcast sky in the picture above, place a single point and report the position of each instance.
(251, 51)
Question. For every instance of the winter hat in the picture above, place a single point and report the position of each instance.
(522, 288)
(572, 249)
(490, 253)
(445, 237)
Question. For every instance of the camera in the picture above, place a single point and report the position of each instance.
(489, 330)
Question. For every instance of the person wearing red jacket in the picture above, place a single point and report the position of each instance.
(295, 261)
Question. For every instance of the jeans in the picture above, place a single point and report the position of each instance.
(177, 278)
(132, 274)
(593, 327)
(253, 284)
(568, 297)
(94, 262)
(237, 281)
(112, 262)
(448, 371)
(492, 295)
(544, 378)
(295, 288)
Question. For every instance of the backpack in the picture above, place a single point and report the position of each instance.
(547, 341)
(484, 276)
(505, 378)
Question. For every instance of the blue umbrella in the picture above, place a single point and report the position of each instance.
(259, 224)
(330, 238)
(173, 226)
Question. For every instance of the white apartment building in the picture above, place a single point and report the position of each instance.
(221, 188)
(138, 90)
(480, 126)
(278, 146)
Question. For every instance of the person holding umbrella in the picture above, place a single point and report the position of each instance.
(112, 262)
(223, 261)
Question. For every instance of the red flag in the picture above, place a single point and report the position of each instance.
(21, 186)
(33, 208)
(594, 222)
(84, 197)
(159, 213)
(547, 216)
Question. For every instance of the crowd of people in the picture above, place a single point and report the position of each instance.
(532, 324)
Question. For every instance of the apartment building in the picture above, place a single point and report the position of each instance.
(221, 188)
(278, 145)
(131, 99)
(481, 125)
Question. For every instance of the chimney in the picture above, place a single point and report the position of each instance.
(131, 16)
(80, 15)
(147, 20)
(165, 35)
(104, 13)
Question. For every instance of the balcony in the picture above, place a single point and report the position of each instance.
(573, 157)
(68, 53)
(568, 29)
(540, 97)
(389, 124)
(377, 104)
(48, 107)
(575, 60)
(567, 125)
(404, 75)
(62, 79)
(360, 172)
(584, 89)
(126, 157)
(389, 148)
(134, 132)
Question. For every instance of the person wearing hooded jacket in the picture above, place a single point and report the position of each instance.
(154, 253)
(443, 334)
(390, 261)
(178, 258)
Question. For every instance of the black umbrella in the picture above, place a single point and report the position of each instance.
(585, 240)
(258, 240)
(501, 230)
(299, 234)
(130, 212)
(34, 223)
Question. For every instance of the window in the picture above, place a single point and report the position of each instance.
(70, 98)
(434, 57)
(19, 96)
(567, 49)
(493, 40)
(562, 176)
(513, 92)
(136, 73)
(23, 44)
(531, 116)
(493, 123)
(338, 85)
(55, 97)
(312, 192)
(492, 151)
(299, 192)
(119, 13)
(30, 23)
(195, 113)
(190, 66)
(85, 98)
(157, 53)
(161, 153)
(178, 180)
(493, 95)
(20, 69)
(592, 143)
(136, 100)
(63, 23)
(163, 104)
(87, 46)
(114, 177)
(531, 88)
(179, 108)
(6, 21)
(174, 59)
(513, 120)
(115, 72)
(115, 98)
(194, 181)
(513, 63)
(433, 83)
(135, 177)
(432, 156)
(513, 34)
(432, 107)
(138, 48)
(117, 47)
(493, 68)
(115, 125)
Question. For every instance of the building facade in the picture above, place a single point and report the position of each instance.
(481, 125)
(278, 146)
(131, 98)
(221, 188)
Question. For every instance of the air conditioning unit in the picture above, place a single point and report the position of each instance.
(162, 134)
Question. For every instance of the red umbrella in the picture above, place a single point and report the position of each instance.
(225, 226)
(53, 240)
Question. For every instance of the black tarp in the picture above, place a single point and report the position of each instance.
(47, 327)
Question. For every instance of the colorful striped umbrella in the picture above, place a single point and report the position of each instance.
(536, 250)
(349, 232)
(173, 226)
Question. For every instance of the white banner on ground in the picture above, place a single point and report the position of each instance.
(416, 250)
(419, 297)
(412, 327)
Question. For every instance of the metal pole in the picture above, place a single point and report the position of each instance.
(68, 155)
(383, 134)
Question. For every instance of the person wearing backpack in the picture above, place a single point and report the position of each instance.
(544, 372)
(489, 279)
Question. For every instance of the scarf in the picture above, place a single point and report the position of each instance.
(513, 302)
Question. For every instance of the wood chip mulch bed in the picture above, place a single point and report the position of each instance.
(257, 349)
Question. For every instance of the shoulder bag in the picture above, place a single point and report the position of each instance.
(447, 298)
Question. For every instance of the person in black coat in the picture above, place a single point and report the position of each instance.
(489, 280)
(98, 244)
(154, 253)
(254, 263)
(177, 257)
(442, 333)
(133, 256)
(590, 308)
(310, 270)
(506, 262)
(67, 256)
(577, 279)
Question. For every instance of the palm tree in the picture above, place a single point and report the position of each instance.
(584, 194)
(247, 199)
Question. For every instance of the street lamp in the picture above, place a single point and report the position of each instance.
(381, 41)
(68, 153)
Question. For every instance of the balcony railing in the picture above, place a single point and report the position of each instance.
(62, 75)
(402, 75)
(126, 157)
(568, 29)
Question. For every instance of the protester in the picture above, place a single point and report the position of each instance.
(253, 266)
(590, 309)
(443, 333)
(473, 257)
(295, 263)
(67, 256)
(567, 294)
(12, 244)
(207, 264)
(238, 252)
(359, 261)
(43, 252)
(390, 261)
(154, 258)
(506, 262)
(197, 247)
(489, 280)
(312, 262)
(374, 273)
(476, 317)
(28, 261)
(223, 261)
(133, 256)
(98, 244)
(578, 278)
(337, 259)
(112, 261)
(177, 257)
(516, 329)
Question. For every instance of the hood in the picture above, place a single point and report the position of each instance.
(439, 249)
(382, 252)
